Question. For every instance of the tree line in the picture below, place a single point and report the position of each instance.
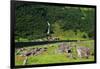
(31, 21)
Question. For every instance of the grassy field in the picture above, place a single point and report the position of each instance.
(52, 55)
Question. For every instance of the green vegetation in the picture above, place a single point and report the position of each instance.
(52, 55)
(66, 22)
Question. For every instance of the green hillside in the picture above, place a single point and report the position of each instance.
(66, 22)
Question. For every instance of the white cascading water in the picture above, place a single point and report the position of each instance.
(48, 32)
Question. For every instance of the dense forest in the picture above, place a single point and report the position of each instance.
(66, 22)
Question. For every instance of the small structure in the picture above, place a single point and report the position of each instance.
(83, 52)
(64, 48)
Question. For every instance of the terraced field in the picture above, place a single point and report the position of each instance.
(49, 53)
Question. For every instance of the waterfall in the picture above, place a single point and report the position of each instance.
(48, 31)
